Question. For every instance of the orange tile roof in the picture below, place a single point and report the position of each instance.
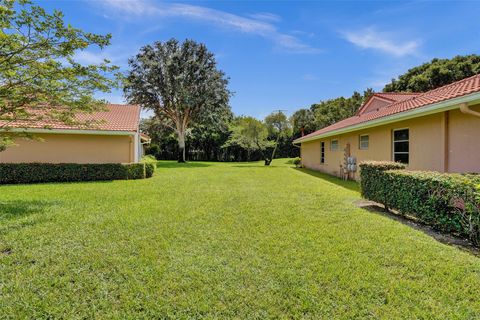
(116, 117)
(397, 96)
(450, 91)
(387, 96)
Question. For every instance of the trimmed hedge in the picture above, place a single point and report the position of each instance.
(447, 202)
(149, 169)
(372, 179)
(12, 173)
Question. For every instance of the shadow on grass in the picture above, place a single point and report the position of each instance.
(256, 166)
(10, 210)
(175, 164)
(416, 224)
(350, 185)
(5, 185)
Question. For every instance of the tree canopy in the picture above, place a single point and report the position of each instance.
(249, 133)
(180, 82)
(303, 122)
(278, 127)
(331, 111)
(436, 73)
(39, 75)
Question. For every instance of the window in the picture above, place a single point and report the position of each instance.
(401, 145)
(334, 145)
(363, 142)
(322, 152)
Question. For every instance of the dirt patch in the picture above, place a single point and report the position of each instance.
(6, 251)
(410, 221)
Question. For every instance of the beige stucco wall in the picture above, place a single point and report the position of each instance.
(427, 145)
(464, 141)
(71, 148)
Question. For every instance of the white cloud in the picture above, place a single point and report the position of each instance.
(116, 54)
(265, 16)
(370, 38)
(88, 57)
(260, 24)
(130, 6)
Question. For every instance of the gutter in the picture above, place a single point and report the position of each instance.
(67, 131)
(464, 108)
(414, 113)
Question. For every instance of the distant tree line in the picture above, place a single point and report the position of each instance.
(241, 138)
(178, 81)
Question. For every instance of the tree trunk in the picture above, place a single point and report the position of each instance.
(268, 161)
(181, 146)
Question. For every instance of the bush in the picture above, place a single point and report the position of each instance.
(149, 169)
(12, 173)
(297, 162)
(447, 202)
(372, 179)
(150, 165)
(134, 171)
(148, 158)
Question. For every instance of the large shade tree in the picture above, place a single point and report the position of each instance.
(40, 78)
(181, 83)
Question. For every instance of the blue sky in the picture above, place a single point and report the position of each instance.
(287, 54)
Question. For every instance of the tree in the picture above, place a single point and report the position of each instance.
(331, 111)
(39, 77)
(251, 134)
(434, 74)
(303, 122)
(180, 82)
(277, 127)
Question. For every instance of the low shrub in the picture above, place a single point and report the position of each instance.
(150, 165)
(447, 202)
(134, 171)
(148, 158)
(13, 173)
(150, 169)
(372, 179)
(297, 162)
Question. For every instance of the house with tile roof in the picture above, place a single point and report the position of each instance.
(113, 136)
(438, 130)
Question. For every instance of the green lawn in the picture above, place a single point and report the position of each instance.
(221, 241)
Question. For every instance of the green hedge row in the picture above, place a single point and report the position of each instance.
(447, 202)
(11, 173)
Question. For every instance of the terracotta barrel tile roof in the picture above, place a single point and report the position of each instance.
(397, 96)
(115, 117)
(453, 90)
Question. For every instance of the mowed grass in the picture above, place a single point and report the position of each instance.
(221, 240)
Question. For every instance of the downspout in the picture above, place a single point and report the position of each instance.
(446, 140)
(299, 147)
(464, 108)
(136, 146)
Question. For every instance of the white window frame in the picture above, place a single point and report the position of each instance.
(331, 145)
(360, 141)
(393, 144)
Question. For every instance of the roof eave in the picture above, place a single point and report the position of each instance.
(414, 113)
(73, 131)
